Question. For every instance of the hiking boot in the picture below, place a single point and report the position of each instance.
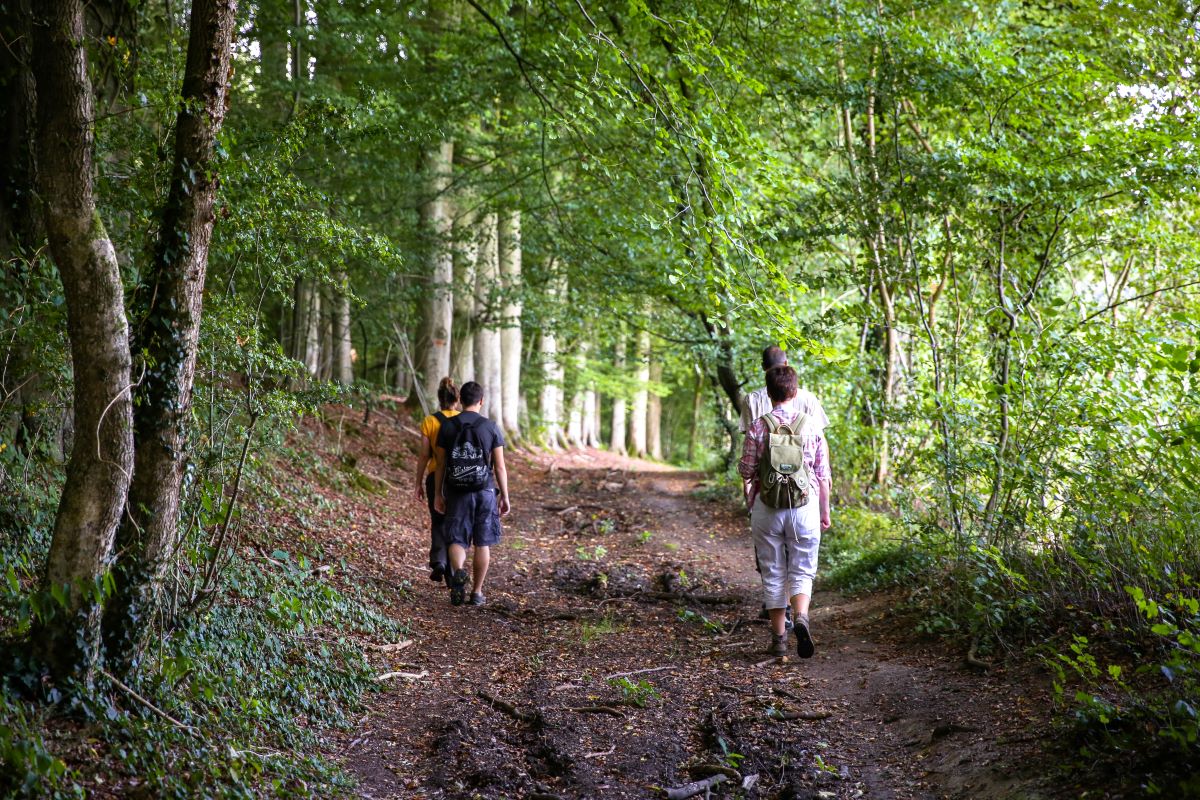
(458, 587)
(477, 598)
(804, 643)
(437, 573)
(778, 646)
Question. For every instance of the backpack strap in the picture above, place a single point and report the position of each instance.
(774, 425)
(441, 418)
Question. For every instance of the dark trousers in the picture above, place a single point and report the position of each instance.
(437, 540)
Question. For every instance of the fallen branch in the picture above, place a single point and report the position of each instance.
(693, 789)
(390, 648)
(412, 676)
(637, 672)
(600, 753)
(789, 716)
(528, 717)
(708, 770)
(147, 703)
(612, 712)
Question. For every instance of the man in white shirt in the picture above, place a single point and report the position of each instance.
(757, 403)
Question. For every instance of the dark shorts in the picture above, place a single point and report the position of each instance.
(472, 519)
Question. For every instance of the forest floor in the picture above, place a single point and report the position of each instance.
(620, 653)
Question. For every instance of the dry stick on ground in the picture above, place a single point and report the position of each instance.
(528, 717)
(708, 770)
(612, 712)
(148, 704)
(807, 716)
(637, 672)
(693, 789)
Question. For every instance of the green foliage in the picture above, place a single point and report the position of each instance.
(638, 693)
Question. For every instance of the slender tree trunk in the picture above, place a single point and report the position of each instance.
(550, 404)
(462, 340)
(654, 414)
(510, 333)
(487, 321)
(578, 417)
(312, 329)
(590, 436)
(170, 306)
(437, 224)
(637, 416)
(697, 408)
(617, 437)
(101, 462)
(325, 365)
(343, 362)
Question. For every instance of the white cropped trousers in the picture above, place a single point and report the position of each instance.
(786, 541)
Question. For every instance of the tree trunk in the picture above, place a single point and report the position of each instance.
(343, 360)
(170, 307)
(637, 416)
(579, 416)
(312, 329)
(654, 414)
(510, 333)
(462, 339)
(551, 402)
(697, 407)
(617, 437)
(98, 472)
(325, 365)
(487, 332)
(436, 225)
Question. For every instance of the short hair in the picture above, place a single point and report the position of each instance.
(782, 383)
(773, 356)
(470, 394)
(447, 393)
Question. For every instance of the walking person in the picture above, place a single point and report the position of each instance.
(785, 463)
(758, 403)
(427, 465)
(471, 449)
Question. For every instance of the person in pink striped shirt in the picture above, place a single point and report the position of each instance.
(786, 540)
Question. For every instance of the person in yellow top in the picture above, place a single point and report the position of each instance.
(427, 464)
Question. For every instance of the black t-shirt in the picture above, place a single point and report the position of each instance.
(488, 432)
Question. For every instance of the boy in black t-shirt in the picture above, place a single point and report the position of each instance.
(472, 515)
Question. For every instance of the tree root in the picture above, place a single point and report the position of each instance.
(973, 660)
(612, 712)
(528, 717)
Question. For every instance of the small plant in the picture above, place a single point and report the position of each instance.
(644, 537)
(637, 694)
(591, 553)
(606, 526)
(591, 631)
(710, 626)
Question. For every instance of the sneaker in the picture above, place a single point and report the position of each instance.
(437, 573)
(477, 598)
(458, 587)
(804, 643)
(778, 647)
(788, 624)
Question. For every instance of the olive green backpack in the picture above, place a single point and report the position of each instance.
(783, 477)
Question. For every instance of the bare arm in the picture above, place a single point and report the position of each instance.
(439, 502)
(824, 486)
(501, 479)
(422, 463)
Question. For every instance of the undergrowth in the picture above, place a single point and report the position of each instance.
(231, 703)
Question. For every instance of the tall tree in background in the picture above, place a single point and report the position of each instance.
(510, 332)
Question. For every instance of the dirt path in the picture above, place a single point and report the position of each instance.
(611, 566)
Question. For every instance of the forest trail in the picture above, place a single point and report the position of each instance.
(609, 566)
